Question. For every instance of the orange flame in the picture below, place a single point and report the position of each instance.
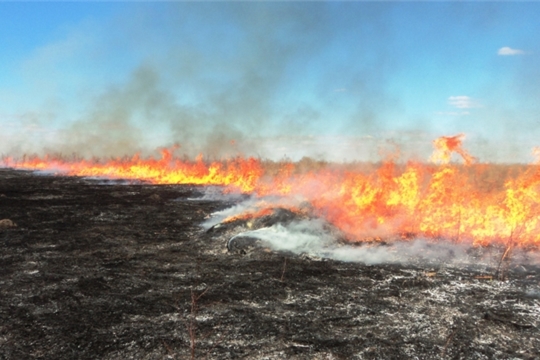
(446, 145)
(249, 215)
(484, 204)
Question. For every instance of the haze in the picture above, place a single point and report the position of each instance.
(333, 80)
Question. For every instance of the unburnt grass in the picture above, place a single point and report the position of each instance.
(115, 270)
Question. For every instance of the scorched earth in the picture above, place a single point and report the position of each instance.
(117, 270)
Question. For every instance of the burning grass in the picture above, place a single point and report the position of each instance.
(474, 202)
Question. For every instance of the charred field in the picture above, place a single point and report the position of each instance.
(110, 270)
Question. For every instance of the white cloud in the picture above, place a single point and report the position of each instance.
(463, 102)
(509, 51)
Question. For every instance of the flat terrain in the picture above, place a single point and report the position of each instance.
(99, 269)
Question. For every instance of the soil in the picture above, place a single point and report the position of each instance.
(95, 269)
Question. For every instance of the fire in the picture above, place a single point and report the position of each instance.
(446, 145)
(473, 202)
(250, 215)
(238, 173)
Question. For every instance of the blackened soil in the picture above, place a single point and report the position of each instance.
(118, 271)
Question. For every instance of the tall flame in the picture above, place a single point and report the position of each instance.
(475, 202)
(446, 145)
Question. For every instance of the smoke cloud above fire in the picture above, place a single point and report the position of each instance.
(340, 81)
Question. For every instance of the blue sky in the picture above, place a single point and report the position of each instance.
(339, 80)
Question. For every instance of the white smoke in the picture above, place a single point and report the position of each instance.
(314, 238)
(306, 236)
(216, 193)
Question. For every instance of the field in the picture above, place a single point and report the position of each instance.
(115, 270)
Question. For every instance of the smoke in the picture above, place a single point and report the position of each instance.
(215, 78)
(216, 193)
(211, 89)
(314, 238)
(273, 80)
(306, 236)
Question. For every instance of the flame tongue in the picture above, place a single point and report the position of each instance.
(480, 203)
(446, 145)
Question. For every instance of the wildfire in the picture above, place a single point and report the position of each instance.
(475, 202)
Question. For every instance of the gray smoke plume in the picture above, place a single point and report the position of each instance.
(312, 237)
(268, 79)
(216, 89)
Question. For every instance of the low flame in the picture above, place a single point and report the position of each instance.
(485, 204)
(247, 215)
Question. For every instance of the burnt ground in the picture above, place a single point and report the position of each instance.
(124, 271)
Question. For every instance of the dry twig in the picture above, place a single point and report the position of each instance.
(283, 272)
(500, 270)
(450, 337)
(192, 326)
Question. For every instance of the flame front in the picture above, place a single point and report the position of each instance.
(482, 203)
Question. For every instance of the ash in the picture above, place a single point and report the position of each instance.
(125, 270)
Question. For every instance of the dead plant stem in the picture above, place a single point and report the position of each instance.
(192, 326)
(284, 267)
(443, 353)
